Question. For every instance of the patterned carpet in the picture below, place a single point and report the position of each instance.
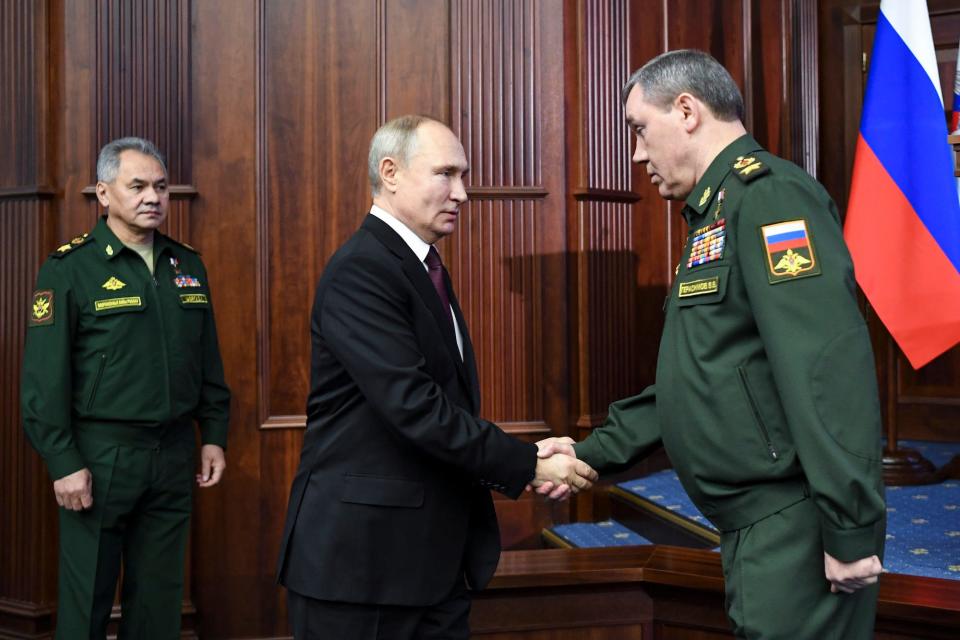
(923, 522)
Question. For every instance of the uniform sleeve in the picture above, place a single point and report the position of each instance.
(630, 432)
(364, 322)
(819, 350)
(45, 387)
(213, 409)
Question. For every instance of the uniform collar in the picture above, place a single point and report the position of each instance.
(110, 245)
(707, 187)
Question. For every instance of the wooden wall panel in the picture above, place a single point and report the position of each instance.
(265, 110)
(28, 535)
(143, 67)
(230, 543)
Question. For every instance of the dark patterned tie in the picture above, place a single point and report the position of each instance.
(435, 269)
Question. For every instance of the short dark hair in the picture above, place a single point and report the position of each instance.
(108, 162)
(691, 71)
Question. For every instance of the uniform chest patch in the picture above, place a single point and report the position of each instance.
(699, 287)
(789, 250)
(193, 298)
(708, 244)
(41, 311)
(117, 303)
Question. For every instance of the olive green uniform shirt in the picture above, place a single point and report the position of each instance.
(108, 343)
(765, 387)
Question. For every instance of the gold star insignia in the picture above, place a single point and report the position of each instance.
(109, 250)
(743, 162)
(750, 169)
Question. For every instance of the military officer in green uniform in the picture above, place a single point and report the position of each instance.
(765, 396)
(121, 359)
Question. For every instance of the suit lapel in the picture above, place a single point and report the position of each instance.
(417, 275)
(469, 358)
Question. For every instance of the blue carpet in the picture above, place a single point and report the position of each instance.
(923, 522)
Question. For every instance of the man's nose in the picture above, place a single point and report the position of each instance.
(640, 154)
(459, 192)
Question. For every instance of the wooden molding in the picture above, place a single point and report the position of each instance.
(177, 191)
(27, 191)
(605, 195)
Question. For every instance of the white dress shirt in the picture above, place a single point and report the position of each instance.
(420, 249)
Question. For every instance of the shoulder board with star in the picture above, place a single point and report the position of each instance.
(67, 247)
(749, 168)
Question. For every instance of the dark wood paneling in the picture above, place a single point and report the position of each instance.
(229, 541)
(561, 261)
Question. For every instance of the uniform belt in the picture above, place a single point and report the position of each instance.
(138, 436)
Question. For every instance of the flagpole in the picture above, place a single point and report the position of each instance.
(900, 466)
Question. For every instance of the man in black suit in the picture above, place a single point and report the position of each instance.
(390, 520)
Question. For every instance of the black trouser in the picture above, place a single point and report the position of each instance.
(312, 619)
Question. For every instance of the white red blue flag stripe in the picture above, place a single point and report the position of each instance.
(786, 235)
(903, 217)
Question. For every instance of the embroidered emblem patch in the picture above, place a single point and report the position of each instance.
(742, 162)
(182, 281)
(708, 244)
(117, 303)
(699, 287)
(41, 312)
(705, 196)
(113, 284)
(790, 252)
(193, 298)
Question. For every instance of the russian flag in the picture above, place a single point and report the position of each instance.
(903, 218)
(786, 235)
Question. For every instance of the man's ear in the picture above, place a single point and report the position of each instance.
(388, 173)
(691, 111)
(102, 194)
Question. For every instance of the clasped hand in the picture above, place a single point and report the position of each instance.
(559, 474)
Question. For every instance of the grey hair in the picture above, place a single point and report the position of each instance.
(698, 73)
(396, 139)
(108, 162)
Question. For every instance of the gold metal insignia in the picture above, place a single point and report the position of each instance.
(705, 196)
(791, 263)
(113, 284)
(743, 162)
(753, 167)
(109, 250)
(64, 248)
(77, 240)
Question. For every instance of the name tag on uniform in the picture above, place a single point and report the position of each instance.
(193, 298)
(117, 303)
(699, 287)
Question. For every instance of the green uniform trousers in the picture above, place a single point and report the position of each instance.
(775, 583)
(142, 496)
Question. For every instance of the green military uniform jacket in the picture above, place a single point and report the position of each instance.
(108, 343)
(766, 387)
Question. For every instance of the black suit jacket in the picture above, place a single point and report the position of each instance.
(391, 501)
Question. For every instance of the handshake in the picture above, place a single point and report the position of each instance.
(559, 474)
